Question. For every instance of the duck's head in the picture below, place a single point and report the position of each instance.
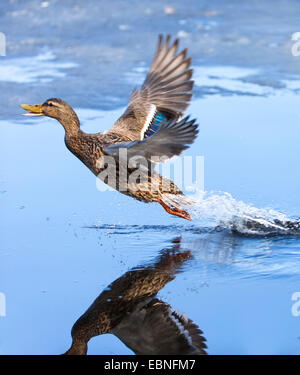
(55, 108)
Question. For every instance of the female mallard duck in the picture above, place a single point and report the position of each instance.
(151, 129)
(128, 308)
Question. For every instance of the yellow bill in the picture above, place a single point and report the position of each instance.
(33, 110)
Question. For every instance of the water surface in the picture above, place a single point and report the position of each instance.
(63, 241)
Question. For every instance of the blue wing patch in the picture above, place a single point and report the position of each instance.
(158, 120)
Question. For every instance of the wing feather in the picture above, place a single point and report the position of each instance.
(168, 87)
(169, 140)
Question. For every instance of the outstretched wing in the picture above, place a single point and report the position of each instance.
(156, 329)
(170, 139)
(164, 96)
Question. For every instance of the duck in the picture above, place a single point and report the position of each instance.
(129, 309)
(152, 129)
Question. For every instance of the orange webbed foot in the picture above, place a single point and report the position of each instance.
(175, 211)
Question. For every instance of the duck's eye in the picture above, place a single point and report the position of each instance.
(50, 104)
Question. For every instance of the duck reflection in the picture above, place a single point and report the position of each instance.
(129, 309)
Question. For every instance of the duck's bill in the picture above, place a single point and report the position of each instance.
(33, 110)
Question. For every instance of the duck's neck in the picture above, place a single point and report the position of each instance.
(78, 348)
(71, 123)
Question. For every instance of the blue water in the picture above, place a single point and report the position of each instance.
(63, 241)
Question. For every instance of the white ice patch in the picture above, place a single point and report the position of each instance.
(292, 84)
(229, 78)
(137, 75)
(42, 68)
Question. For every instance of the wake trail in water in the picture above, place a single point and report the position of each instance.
(221, 210)
(218, 211)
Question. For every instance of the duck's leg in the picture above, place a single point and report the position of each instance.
(175, 211)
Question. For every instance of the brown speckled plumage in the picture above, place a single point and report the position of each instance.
(128, 309)
(166, 92)
(89, 149)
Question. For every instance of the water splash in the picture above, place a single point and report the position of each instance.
(221, 210)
